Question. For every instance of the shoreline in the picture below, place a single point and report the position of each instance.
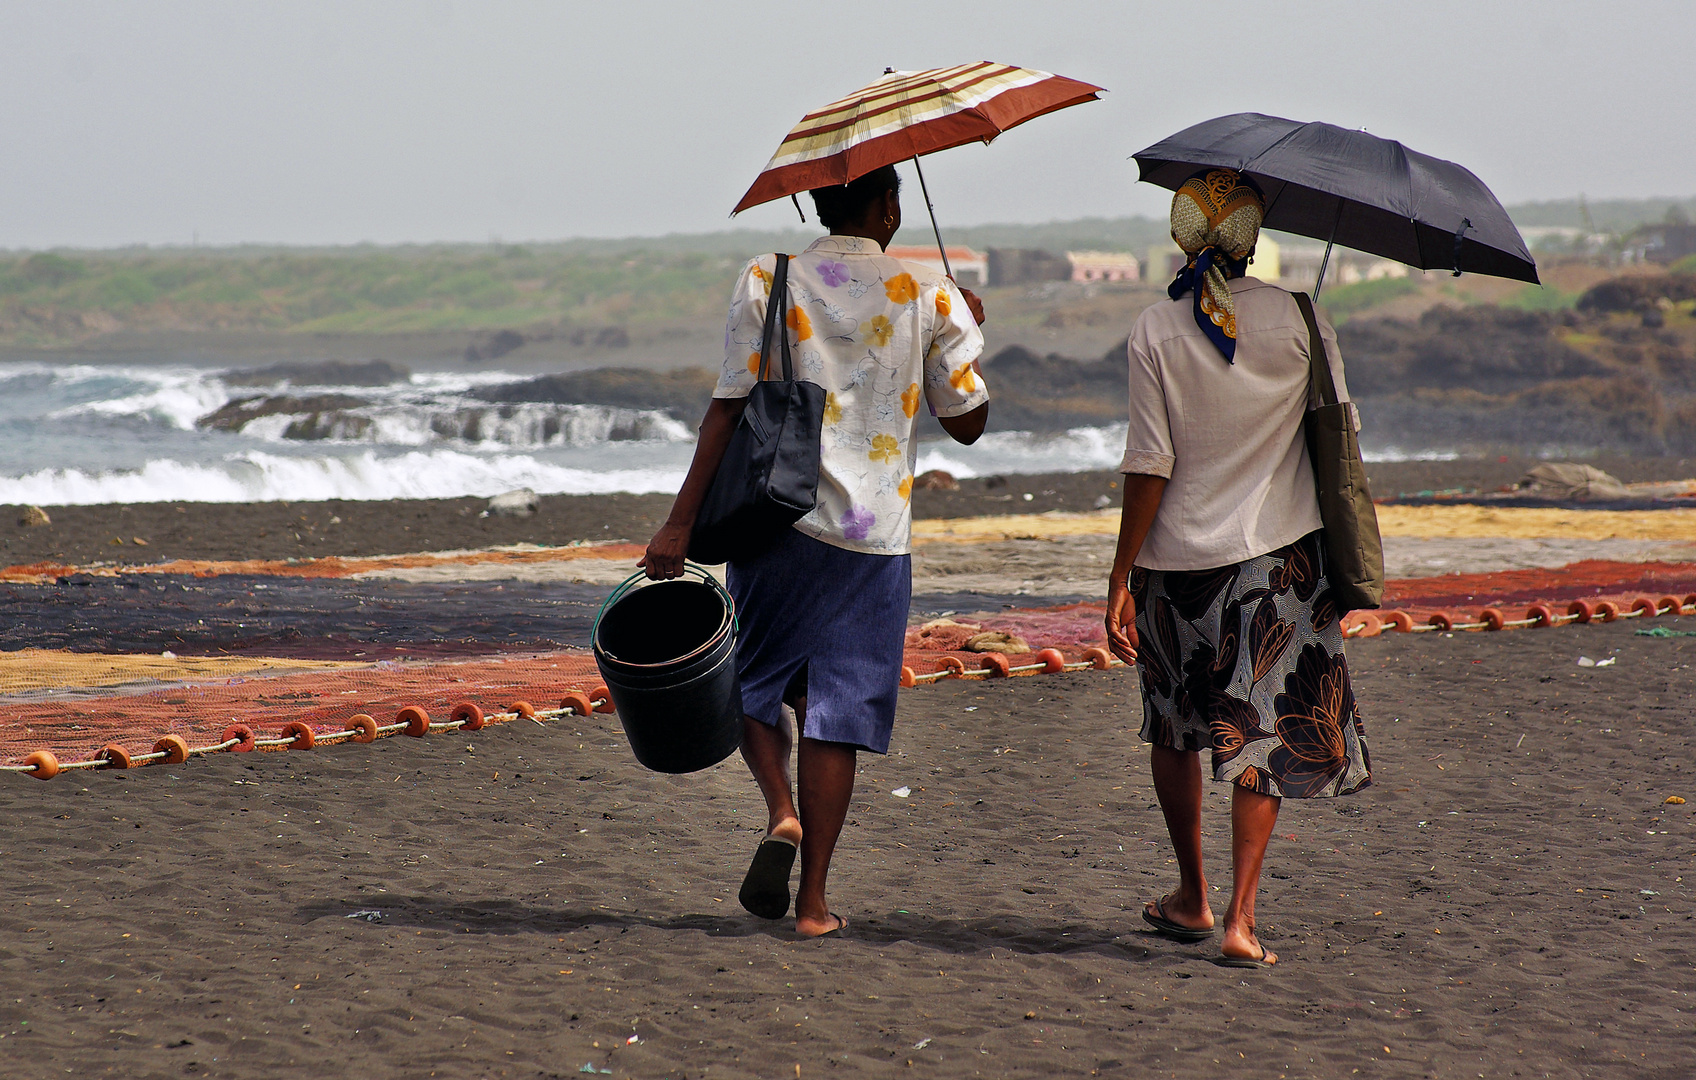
(108, 532)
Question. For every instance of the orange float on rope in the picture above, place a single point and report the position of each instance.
(908, 679)
(46, 765)
(604, 696)
(1492, 618)
(997, 665)
(365, 725)
(417, 721)
(301, 734)
(1399, 620)
(1583, 610)
(1670, 606)
(1540, 614)
(470, 714)
(1442, 620)
(173, 747)
(1689, 602)
(115, 756)
(1100, 657)
(523, 709)
(1607, 610)
(953, 665)
(1646, 606)
(242, 732)
(1368, 623)
(1052, 660)
(578, 703)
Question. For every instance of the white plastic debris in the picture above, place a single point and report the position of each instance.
(1585, 661)
(902, 792)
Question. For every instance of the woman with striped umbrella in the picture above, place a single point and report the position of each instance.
(822, 613)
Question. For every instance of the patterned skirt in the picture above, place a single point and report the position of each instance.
(1247, 661)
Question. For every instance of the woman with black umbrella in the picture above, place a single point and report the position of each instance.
(1219, 584)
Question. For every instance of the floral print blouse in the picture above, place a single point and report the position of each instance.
(879, 335)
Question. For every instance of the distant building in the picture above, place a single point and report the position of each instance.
(1017, 266)
(1661, 244)
(1299, 267)
(1163, 263)
(971, 266)
(1103, 266)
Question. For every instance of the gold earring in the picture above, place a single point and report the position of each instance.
(888, 219)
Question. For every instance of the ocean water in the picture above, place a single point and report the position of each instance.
(99, 434)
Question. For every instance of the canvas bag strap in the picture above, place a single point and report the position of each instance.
(778, 300)
(1318, 360)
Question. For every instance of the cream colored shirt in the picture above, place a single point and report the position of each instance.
(1229, 436)
(885, 338)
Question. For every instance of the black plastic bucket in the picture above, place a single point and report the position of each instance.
(667, 653)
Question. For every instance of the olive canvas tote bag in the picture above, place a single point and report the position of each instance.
(1352, 543)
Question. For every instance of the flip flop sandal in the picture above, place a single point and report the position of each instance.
(838, 931)
(1244, 961)
(765, 889)
(1176, 931)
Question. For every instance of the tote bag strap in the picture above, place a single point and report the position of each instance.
(775, 304)
(1318, 360)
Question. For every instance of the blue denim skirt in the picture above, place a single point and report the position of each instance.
(826, 624)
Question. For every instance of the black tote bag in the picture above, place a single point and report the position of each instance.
(1352, 543)
(769, 476)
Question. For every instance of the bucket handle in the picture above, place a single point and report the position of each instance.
(629, 583)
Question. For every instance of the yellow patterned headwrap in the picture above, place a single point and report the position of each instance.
(1216, 217)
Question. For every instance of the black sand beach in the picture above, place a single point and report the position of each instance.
(1509, 898)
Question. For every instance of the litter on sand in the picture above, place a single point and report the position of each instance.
(902, 792)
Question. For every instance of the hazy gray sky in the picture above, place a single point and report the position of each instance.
(337, 122)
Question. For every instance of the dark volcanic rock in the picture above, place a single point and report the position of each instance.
(1486, 349)
(683, 393)
(321, 373)
(1052, 393)
(237, 413)
(1638, 293)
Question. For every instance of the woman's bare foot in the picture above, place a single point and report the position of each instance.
(830, 924)
(1241, 944)
(1189, 911)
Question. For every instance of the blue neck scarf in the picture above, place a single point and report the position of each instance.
(1219, 328)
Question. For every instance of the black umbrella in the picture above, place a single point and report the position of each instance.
(1350, 188)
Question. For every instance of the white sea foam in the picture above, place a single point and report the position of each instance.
(259, 477)
(1019, 452)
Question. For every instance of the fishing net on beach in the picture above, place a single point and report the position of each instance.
(103, 656)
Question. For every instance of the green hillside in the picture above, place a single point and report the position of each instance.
(49, 298)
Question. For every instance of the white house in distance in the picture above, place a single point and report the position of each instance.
(971, 266)
(1103, 266)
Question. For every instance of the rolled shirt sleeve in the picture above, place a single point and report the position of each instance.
(952, 386)
(1148, 442)
(744, 327)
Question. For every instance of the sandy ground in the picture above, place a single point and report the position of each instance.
(1509, 898)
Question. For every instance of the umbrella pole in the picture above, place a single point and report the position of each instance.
(1329, 244)
(949, 270)
(1323, 263)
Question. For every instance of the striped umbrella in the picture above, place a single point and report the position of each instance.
(905, 114)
